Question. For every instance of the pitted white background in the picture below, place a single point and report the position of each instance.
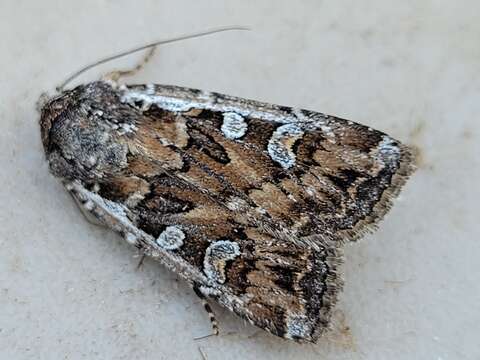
(70, 290)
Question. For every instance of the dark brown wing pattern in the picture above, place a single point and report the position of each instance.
(256, 197)
(316, 175)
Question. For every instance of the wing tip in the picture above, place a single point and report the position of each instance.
(407, 166)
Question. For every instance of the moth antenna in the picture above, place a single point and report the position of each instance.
(143, 47)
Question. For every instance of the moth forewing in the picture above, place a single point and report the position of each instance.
(249, 202)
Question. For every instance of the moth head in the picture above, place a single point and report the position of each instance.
(50, 109)
(79, 143)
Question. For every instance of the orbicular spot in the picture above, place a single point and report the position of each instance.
(216, 257)
(280, 145)
(234, 125)
(171, 238)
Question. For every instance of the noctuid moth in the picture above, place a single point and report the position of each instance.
(249, 202)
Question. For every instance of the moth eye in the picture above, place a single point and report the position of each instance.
(138, 104)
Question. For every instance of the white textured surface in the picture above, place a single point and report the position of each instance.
(69, 290)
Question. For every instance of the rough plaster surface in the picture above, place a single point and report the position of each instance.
(70, 290)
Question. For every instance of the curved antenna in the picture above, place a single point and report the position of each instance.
(143, 47)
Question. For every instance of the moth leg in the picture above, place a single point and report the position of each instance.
(140, 263)
(209, 310)
(85, 206)
(117, 74)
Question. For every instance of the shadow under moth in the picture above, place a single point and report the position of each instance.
(248, 202)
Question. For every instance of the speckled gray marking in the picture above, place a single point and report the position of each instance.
(280, 145)
(216, 257)
(234, 125)
(298, 326)
(171, 238)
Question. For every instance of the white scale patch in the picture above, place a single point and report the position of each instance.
(209, 291)
(236, 204)
(89, 205)
(387, 150)
(298, 326)
(127, 128)
(205, 101)
(234, 125)
(386, 146)
(280, 145)
(131, 238)
(216, 257)
(171, 238)
(92, 160)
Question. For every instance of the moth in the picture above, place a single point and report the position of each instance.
(249, 202)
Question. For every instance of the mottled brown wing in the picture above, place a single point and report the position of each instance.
(312, 175)
(282, 184)
(248, 201)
